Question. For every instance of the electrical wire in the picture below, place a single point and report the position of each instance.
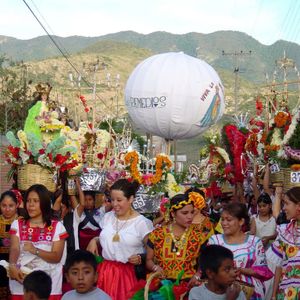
(63, 54)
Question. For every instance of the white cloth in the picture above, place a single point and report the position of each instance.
(34, 262)
(131, 232)
(266, 228)
(98, 216)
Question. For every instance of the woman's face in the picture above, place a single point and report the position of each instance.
(231, 224)
(33, 205)
(291, 209)
(8, 207)
(120, 204)
(184, 216)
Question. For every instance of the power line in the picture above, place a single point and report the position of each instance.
(63, 54)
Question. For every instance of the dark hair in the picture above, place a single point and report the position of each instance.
(195, 190)
(10, 194)
(39, 283)
(238, 210)
(80, 256)
(45, 202)
(90, 193)
(176, 200)
(294, 194)
(264, 198)
(211, 258)
(128, 188)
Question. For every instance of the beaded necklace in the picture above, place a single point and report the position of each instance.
(178, 244)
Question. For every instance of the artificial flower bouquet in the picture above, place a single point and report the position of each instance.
(27, 149)
(154, 175)
(49, 122)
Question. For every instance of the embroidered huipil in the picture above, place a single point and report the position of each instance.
(285, 253)
(250, 254)
(42, 238)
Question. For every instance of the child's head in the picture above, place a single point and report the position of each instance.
(89, 200)
(217, 265)
(37, 286)
(81, 272)
(264, 204)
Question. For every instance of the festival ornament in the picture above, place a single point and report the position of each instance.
(174, 95)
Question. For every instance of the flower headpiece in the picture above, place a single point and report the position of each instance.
(18, 196)
(181, 204)
(197, 199)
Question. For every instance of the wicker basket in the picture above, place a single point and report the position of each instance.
(34, 174)
(149, 279)
(278, 177)
(288, 184)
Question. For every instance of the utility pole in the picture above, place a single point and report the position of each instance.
(284, 64)
(236, 72)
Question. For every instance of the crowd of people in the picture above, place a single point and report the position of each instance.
(235, 246)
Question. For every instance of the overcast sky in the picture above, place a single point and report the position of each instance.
(265, 20)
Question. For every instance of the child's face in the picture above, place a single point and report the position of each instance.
(264, 209)
(230, 224)
(226, 274)
(89, 202)
(82, 277)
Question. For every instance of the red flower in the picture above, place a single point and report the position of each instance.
(86, 109)
(50, 156)
(14, 151)
(100, 155)
(60, 159)
(42, 151)
(180, 289)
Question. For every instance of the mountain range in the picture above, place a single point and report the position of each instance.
(228, 50)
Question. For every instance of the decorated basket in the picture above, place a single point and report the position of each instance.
(277, 176)
(31, 174)
(291, 179)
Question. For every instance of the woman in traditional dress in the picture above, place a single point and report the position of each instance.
(285, 251)
(37, 243)
(175, 247)
(8, 208)
(123, 238)
(248, 250)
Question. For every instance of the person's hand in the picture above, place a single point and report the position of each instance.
(195, 281)
(233, 292)
(93, 246)
(135, 259)
(16, 274)
(28, 246)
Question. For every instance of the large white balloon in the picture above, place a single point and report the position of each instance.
(174, 95)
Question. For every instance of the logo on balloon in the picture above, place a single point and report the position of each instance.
(149, 102)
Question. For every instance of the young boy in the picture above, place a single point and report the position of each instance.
(81, 274)
(37, 286)
(216, 264)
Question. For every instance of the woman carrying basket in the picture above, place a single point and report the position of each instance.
(176, 246)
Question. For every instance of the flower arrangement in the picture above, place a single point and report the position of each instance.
(27, 149)
(235, 139)
(48, 121)
(162, 165)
